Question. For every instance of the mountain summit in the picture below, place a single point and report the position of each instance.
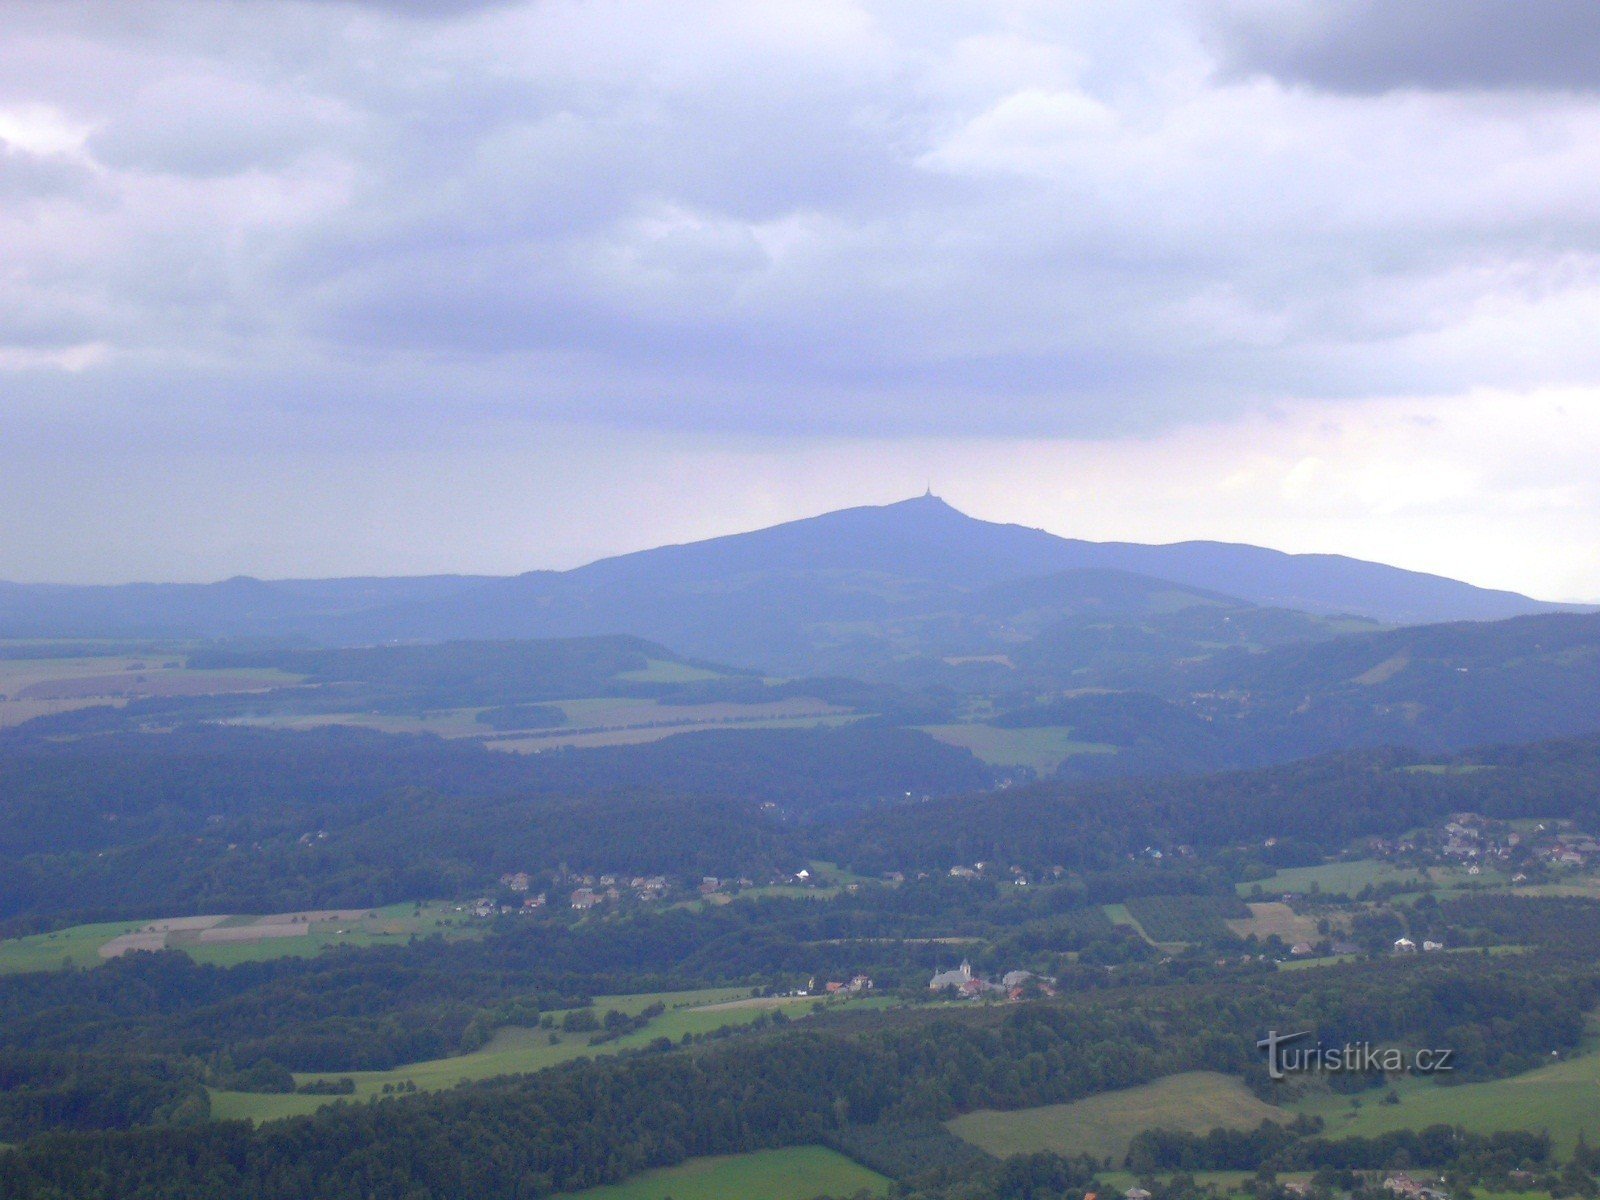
(878, 583)
(879, 574)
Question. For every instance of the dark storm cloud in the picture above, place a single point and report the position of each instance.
(1370, 46)
(825, 217)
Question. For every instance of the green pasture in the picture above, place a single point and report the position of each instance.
(796, 1173)
(1103, 1125)
(1346, 877)
(79, 945)
(519, 1051)
(1043, 749)
(1562, 1099)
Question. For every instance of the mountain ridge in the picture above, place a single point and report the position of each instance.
(765, 597)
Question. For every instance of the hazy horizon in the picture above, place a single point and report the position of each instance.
(636, 549)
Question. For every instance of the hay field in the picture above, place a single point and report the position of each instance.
(795, 1173)
(1103, 1125)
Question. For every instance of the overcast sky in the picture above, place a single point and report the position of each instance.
(309, 287)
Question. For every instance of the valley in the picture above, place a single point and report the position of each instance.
(964, 869)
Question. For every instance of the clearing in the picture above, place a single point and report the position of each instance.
(1562, 1099)
(1043, 749)
(1275, 918)
(796, 1173)
(224, 940)
(38, 687)
(1103, 1125)
(1347, 878)
(518, 1050)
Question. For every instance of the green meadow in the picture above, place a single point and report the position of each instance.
(796, 1173)
(79, 946)
(1043, 749)
(1562, 1099)
(520, 1050)
(1103, 1125)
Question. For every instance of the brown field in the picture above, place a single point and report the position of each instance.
(132, 684)
(1271, 918)
(40, 687)
(179, 932)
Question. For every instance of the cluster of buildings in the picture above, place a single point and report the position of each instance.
(968, 985)
(586, 891)
(837, 987)
(1016, 874)
(1475, 841)
(1406, 945)
(1412, 1189)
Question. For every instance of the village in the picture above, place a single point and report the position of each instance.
(968, 985)
(1524, 850)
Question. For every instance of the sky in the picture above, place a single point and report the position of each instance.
(329, 287)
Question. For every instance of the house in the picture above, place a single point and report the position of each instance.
(1015, 979)
(860, 983)
(517, 882)
(1404, 945)
(1431, 946)
(958, 978)
(584, 898)
(1302, 949)
(1404, 1185)
(1136, 1193)
(963, 873)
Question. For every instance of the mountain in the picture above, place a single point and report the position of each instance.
(1433, 688)
(889, 590)
(809, 594)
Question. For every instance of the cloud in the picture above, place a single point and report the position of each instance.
(328, 224)
(829, 217)
(1371, 46)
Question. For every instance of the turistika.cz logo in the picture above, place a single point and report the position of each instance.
(1284, 1058)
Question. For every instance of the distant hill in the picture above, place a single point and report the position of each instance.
(233, 606)
(1434, 688)
(889, 592)
(878, 583)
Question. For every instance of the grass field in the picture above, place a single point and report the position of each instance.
(1346, 877)
(1562, 1099)
(516, 1051)
(1350, 877)
(660, 670)
(1103, 1125)
(36, 687)
(797, 1173)
(78, 946)
(82, 945)
(628, 737)
(1275, 917)
(1118, 914)
(1042, 749)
